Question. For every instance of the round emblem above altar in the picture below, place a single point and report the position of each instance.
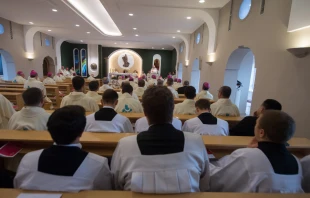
(125, 60)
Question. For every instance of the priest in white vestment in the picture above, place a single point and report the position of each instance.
(58, 78)
(266, 166)
(223, 106)
(93, 91)
(187, 107)
(20, 78)
(49, 80)
(105, 85)
(142, 124)
(62, 70)
(132, 83)
(126, 102)
(205, 92)
(6, 111)
(91, 78)
(170, 87)
(139, 91)
(153, 81)
(177, 84)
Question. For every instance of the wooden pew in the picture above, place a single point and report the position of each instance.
(17, 90)
(52, 93)
(181, 96)
(104, 144)
(15, 98)
(64, 88)
(13, 193)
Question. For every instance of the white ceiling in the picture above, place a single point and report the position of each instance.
(157, 21)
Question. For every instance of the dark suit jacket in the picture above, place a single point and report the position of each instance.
(181, 90)
(245, 127)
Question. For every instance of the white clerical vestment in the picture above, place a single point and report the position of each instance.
(33, 82)
(29, 118)
(6, 112)
(94, 95)
(134, 95)
(90, 78)
(79, 98)
(305, 162)
(49, 81)
(161, 169)
(204, 95)
(58, 79)
(133, 84)
(142, 124)
(108, 120)
(176, 86)
(206, 124)
(19, 80)
(152, 82)
(104, 87)
(187, 107)
(139, 91)
(127, 104)
(224, 107)
(63, 168)
(173, 91)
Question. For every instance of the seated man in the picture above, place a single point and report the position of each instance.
(305, 162)
(267, 166)
(49, 80)
(106, 119)
(223, 106)
(93, 89)
(161, 159)
(6, 112)
(64, 166)
(181, 90)
(134, 95)
(58, 78)
(246, 126)
(32, 116)
(91, 78)
(20, 78)
(205, 92)
(142, 124)
(105, 85)
(132, 83)
(78, 97)
(206, 123)
(153, 80)
(126, 102)
(160, 83)
(177, 84)
(140, 90)
(187, 107)
(170, 87)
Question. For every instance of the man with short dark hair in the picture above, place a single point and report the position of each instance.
(105, 85)
(187, 107)
(140, 90)
(246, 126)
(170, 87)
(107, 119)
(160, 82)
(93, 89)
(134, 95)
(266, 166)
(64, 166)
(181, 90)
(223, 106)
(78, 97)
(32, 116)
(126, 102)
(205, 123)
(164, 158)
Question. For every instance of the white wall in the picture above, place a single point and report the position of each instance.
(230, 79)
(92, 51)
(300, 15)
(7, 65)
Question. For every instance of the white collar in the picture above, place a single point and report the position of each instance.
(79, 145)
(107, 107)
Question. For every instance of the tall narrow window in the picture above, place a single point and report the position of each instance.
(76, 61)
(83, 63)
(262, 7)
(1, 68)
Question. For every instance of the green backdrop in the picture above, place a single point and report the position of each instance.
(67, 53)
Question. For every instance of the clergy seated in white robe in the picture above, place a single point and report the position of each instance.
(105, 85)
(142, 124)
(223, 106)
(93, 89)
(266, 166)
(170, 87)
(62, 70)
(20, 78)
(161, 160)
(78, 97)
(6, 112)
(205, 92)
(187, 107)
(205, 123)
(57, 78)
(107, 119)
(305, 162)
(134, 95)
(132, 83)
(72, 71)
(126, 102)
(140, 90)
(67, 73)
(177, 84)
(32, 116)
(64, 167)
(91, 78)
(49, 80)
(153, 80)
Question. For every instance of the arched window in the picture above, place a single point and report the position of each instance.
(1, 29)
(76, 60)
(83, 63)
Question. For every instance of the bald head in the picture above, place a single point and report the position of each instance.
(105, 80)
(224, 92)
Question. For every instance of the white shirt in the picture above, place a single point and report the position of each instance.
(94, 95)
(29, 118)
(90, 78)
(181, 172)
(104, 87)
(67, 73)
(248, 170)
(305, 162)
(92, 173)
(107, 120)
(58, 79)
(19, 80)
(79, 98)
(142, 124)
(224, 107)
(134, 95)
(49, 81)
(204, 94)
(32, 82)
(127, 104)
(173, 91)
(139, 91)
(6, 112)
(206, 124)
(187, 107)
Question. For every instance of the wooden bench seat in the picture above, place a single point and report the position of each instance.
(15, 98)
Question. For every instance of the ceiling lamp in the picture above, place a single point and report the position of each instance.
(179, 31)
(189, 17)
(202, 1)
(94, 13)
(31, 23)
(130, 14)
(54, 10)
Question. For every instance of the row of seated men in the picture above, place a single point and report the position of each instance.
(162, 159)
